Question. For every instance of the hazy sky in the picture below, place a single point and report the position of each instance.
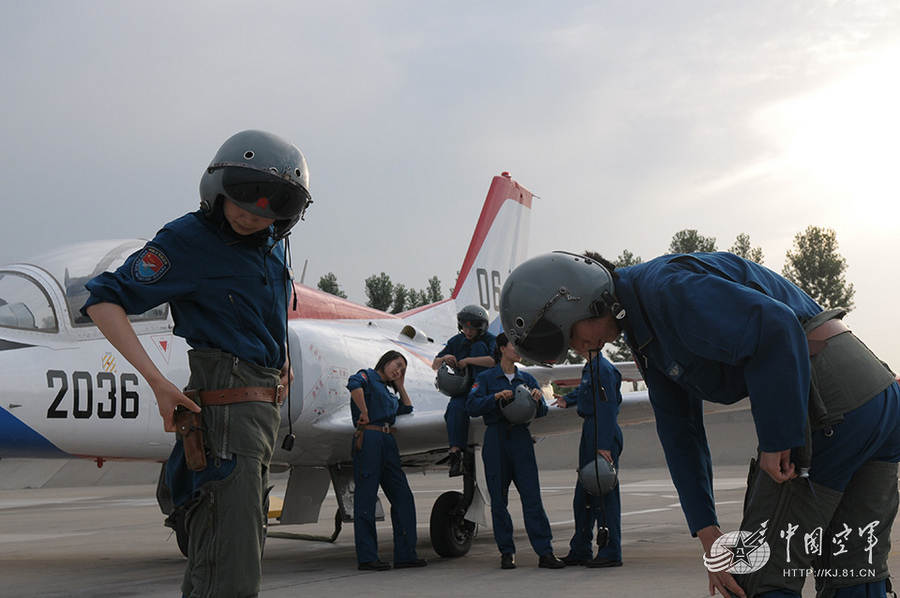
(631, 120)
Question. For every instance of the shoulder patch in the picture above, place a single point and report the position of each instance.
(364, 377)
(150, 265)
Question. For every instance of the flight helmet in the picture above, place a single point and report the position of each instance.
(521, 407)
(598, 477)
(544, 296)
(453, 382)
(263, 174)
(475, 315)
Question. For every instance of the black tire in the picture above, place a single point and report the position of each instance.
(451, 535)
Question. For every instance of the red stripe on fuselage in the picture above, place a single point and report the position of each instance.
(313, 304)
(502, 188)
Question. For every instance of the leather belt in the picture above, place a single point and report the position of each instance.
(817, 338)
(386, 428)
(246, 394)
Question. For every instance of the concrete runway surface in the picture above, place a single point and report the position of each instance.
(106, 541)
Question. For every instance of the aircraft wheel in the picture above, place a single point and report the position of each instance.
(451, 535)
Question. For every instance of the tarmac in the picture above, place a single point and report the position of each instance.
(108, 540)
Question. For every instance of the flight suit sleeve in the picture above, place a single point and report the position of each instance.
(357, 380)
(162, 270)
(723, 321)
(679, 424)
(480, 400)
(571, 397)
(404, 409)
(608, 410)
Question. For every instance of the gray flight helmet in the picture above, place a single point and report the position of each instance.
(545, 296)
(261, 173)
(598, 477)
(521, 408)
(475, 315)
(453, 383)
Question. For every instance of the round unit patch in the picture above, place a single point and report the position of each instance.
(150, 265)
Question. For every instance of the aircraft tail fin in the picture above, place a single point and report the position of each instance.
(498, 245)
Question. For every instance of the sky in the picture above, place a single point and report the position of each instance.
(630, 121)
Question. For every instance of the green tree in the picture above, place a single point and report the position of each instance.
(329, 284)
(434, 290)
(416, 299)
(401, 297)
(690, 241)
(743, 249)
(815, 266)
(380, 291)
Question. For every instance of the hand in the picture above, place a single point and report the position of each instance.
(450, 360)
(605, 454)
(537, 395)
(720, 581)
(778, 465)
(363, 419)
(463, 363)
(168, 396)
(287, 374)
(560, 402)
(503, 394)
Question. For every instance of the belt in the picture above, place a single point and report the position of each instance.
(386, 428)
(247, 394)
(817, 338)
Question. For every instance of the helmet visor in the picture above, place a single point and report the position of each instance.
(263, 193)
(545, 342)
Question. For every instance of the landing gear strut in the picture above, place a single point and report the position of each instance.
(451, 533)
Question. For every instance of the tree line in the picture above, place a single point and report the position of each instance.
(384, 294)
(813, 264)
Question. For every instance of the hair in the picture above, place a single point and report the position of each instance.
(386, 359)
(502, 341)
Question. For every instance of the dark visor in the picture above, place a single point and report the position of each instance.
(545, 342)
(266, 192)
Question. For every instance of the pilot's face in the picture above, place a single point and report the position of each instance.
(395, 369)
(508, 351)
(591, 334)
(469, 331)
(242, 221)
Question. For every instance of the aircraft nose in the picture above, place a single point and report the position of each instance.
(21, 408)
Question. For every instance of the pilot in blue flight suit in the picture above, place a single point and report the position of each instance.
(716, 327)
(473, 349)
(222, 270)
(508, 455)
(374, 407)
(606, 511)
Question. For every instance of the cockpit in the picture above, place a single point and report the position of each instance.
(27, 293)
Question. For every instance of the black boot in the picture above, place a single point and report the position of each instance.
(507, 560)
(550, 561)
(601, 562)
(456, 464)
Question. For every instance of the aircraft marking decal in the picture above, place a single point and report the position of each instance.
(108, 363)
(120, 399)
(163, 344)
(20, 440)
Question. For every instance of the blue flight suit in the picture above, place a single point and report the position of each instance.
(716, 327)
(590, 510)
(460, 347)
(508, 455)
(228, 297)
(378, 463)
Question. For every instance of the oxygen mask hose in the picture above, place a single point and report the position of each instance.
(596, 389)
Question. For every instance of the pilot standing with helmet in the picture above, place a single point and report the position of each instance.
(223, 270)
(377, 397)
(600, 434)
(716, 327)
(472, 349)
(508, 399)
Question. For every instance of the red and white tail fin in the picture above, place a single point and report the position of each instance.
(498, 245)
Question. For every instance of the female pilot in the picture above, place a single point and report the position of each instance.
(509, 456)
(374, 406)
